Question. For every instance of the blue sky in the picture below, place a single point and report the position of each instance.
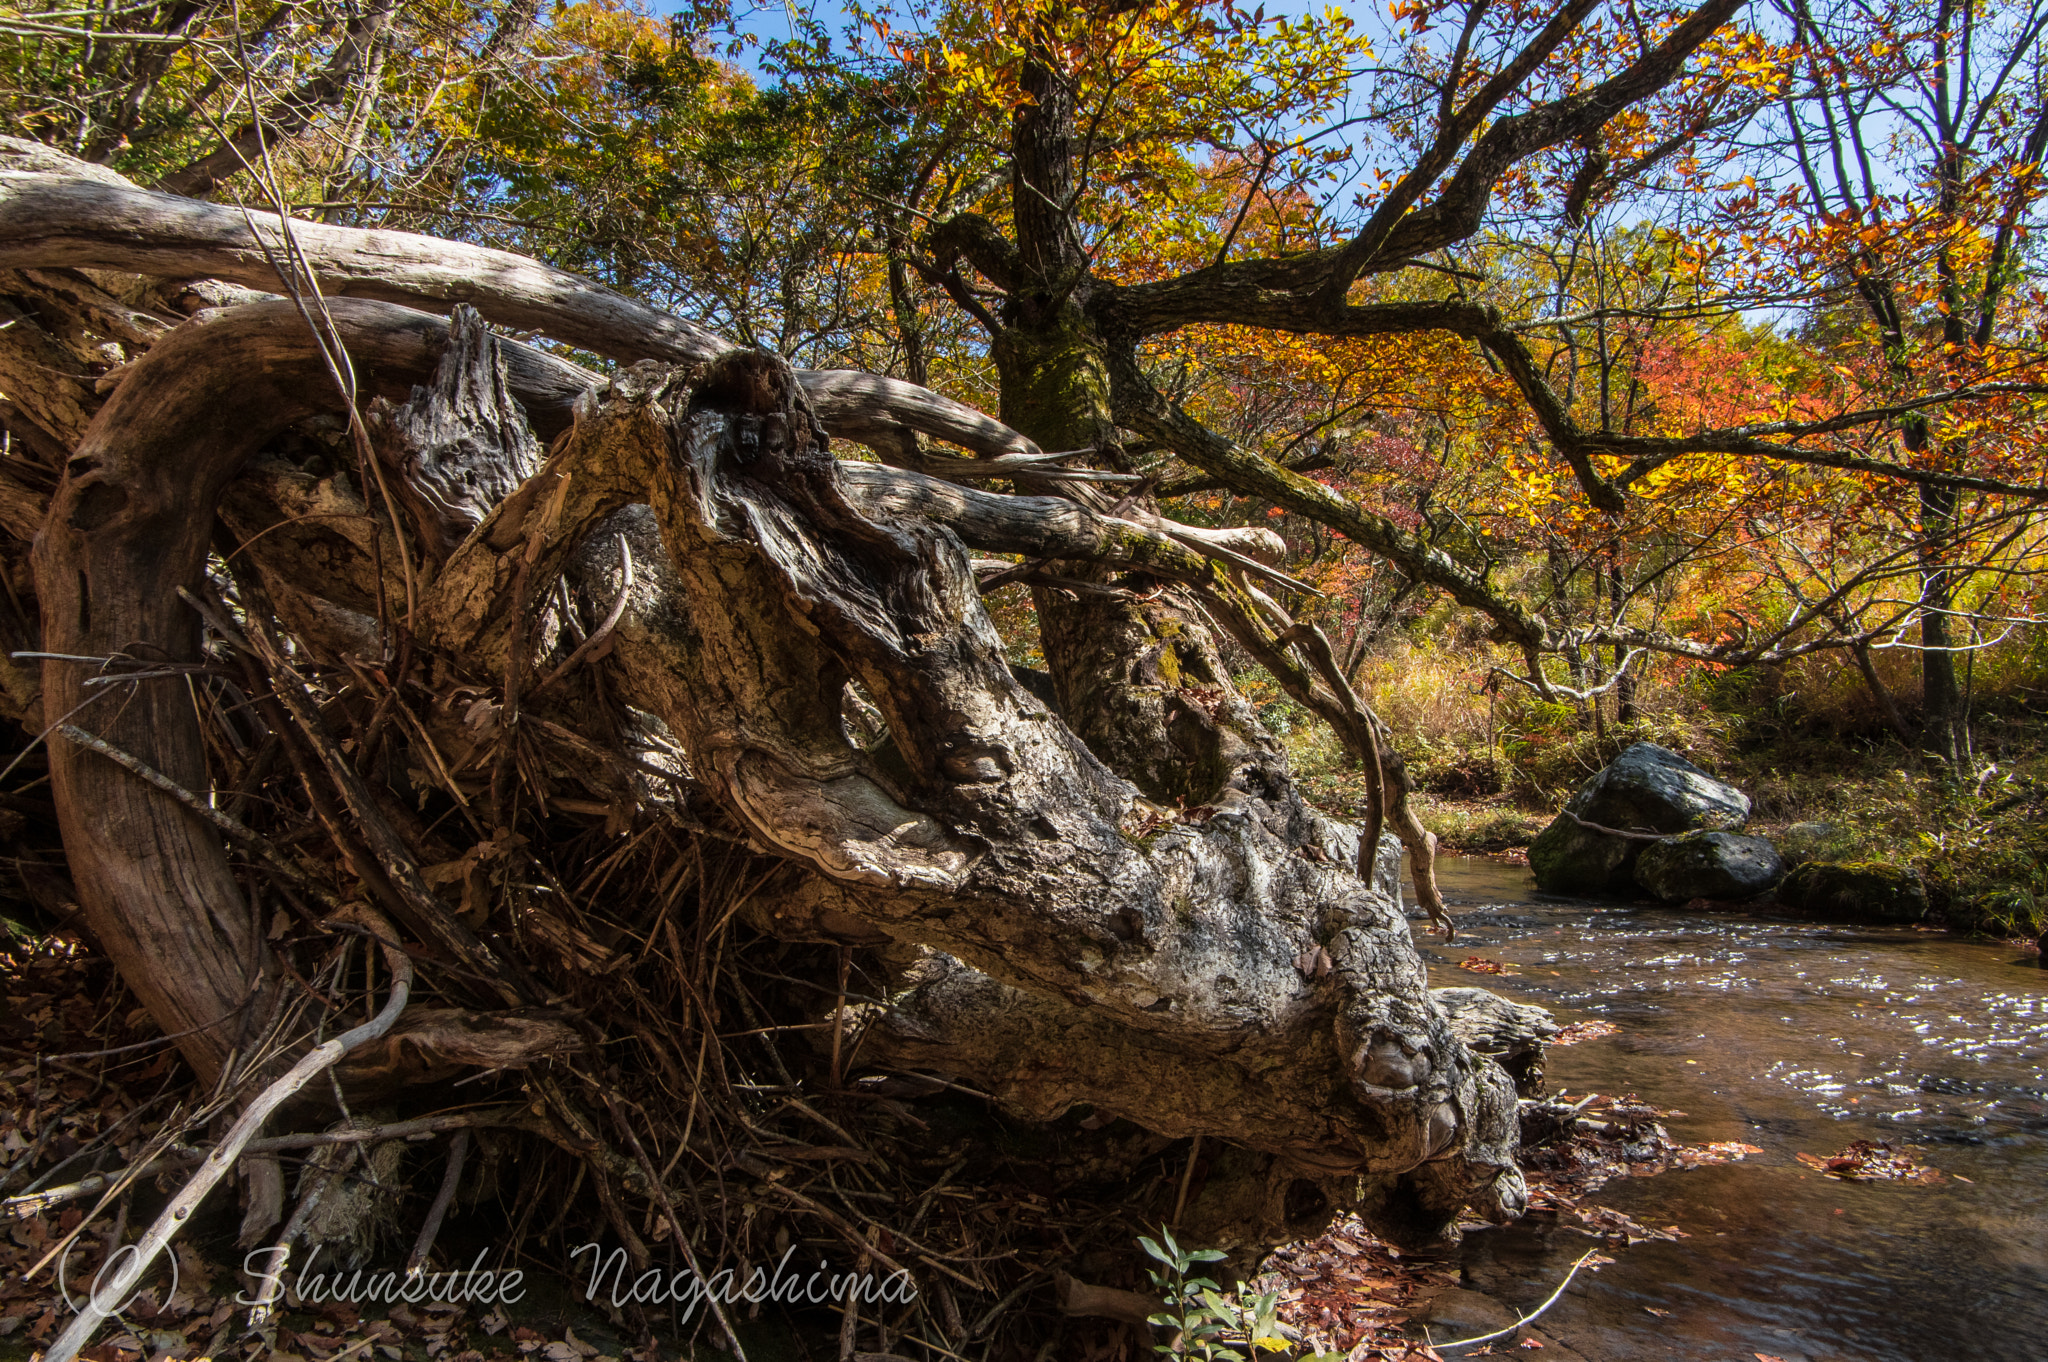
(769, 20)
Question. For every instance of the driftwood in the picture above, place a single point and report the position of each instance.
(130, 525)
(1512, 1033)
(461, 445)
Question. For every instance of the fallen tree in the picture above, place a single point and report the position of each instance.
(658, 600)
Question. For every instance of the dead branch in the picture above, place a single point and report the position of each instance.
(221, 1160)
(1617, 832)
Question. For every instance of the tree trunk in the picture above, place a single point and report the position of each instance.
(1138, 675)
(1944, 724)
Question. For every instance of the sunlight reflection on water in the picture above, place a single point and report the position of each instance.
(1797, 1037)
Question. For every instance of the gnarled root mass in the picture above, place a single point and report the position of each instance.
(588, 683)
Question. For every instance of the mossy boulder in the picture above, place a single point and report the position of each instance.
(1803, 842)
(1647, 789)
(1709, 865)
(1856, 891)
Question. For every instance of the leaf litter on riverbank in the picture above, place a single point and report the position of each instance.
(1346, 1291)
(102, 1106)
(1572, 1149)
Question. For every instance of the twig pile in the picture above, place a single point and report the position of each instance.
(698, 1098)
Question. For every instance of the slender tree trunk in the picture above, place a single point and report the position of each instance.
(1887, 705)
(1944, 735)
(1625, 687)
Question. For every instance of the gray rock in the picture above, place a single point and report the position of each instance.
(1646, 789)
(1856, 891)
(1709, 865)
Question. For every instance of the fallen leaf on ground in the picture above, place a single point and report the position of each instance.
(1872, 1160)
(1479, 964)
(1609, 1223)
(1584, 1030)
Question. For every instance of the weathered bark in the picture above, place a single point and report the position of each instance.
(1512, 1033)
(461, 446)
(757, 701)
(61, 336)
(1003, 841)
(326, 559)
(129, 526)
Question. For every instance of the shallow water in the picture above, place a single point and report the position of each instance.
(1799, 1038)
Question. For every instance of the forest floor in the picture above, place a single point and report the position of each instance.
(82, 1090)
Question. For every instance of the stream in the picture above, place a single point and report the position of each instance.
(1800, 1038)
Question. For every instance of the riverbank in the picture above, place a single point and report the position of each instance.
(1981, 846)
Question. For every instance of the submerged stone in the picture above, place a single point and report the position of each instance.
(1709, 865)
(1856, 891)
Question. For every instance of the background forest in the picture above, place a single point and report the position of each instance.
(1816, 249)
